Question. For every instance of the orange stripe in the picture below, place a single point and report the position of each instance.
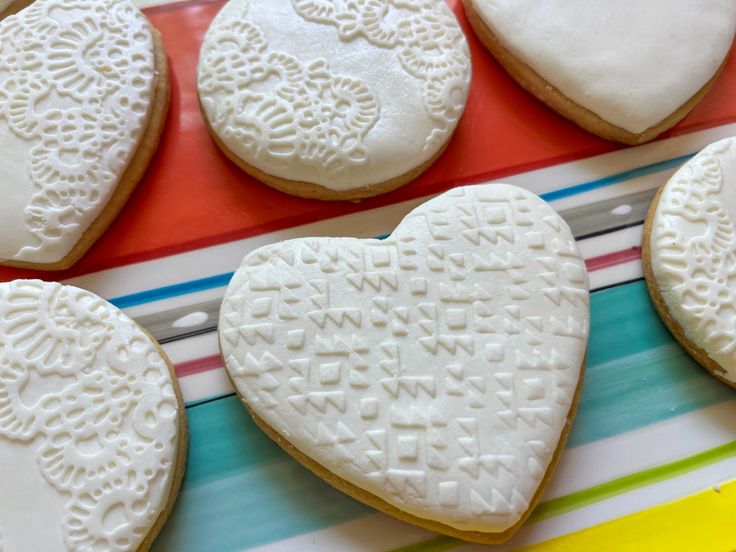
(192, 197)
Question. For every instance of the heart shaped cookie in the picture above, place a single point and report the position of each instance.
(92, 428)
(626, 71)
(433, 374)
(689, 255)
(83, 97)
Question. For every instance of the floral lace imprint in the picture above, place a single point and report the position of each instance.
(311, 114)
(695, 241)
(76, 82)
(429, 44)
(106, 423)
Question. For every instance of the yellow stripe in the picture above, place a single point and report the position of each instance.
(705, 521)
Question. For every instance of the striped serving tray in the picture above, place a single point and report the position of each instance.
(653, 448)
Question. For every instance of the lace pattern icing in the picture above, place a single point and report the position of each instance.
(694, 253)
(311, 114)
(107, 435)
(280, 112)
(76, 83)
(428, 41)
(434, 369)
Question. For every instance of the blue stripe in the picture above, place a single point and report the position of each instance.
(616, 178)
(176, 290)
(222, 280)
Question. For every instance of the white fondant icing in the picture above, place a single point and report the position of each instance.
(434, 369)
(341, 94)
(693, 251)
(631, 62)
(76, 90)
(88, 422)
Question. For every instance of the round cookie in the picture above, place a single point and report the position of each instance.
(689, 255)
(432, 375)
(333, 100)
(92, 426)
(84, 93)
(626, 71)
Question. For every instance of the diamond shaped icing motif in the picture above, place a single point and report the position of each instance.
(431, 374)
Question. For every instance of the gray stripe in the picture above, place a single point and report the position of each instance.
(166, 326)
(609, 215)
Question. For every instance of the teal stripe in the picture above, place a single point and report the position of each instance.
(637, 375)
(225, 442)
(623, 323)
(241, 490)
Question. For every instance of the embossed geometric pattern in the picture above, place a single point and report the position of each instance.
(87, 390)
(693, 242)
(280, 104)
(76, 86)
(435, 368)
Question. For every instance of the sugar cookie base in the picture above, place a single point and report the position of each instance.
(132, 175)
(533, 83)
(309, 190)
(379, 504)
(15, 7)
(180, 461)
(698, 354)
